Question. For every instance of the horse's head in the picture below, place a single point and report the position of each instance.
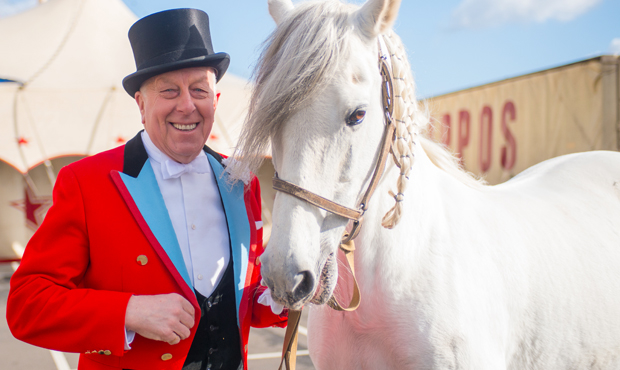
(318, 100)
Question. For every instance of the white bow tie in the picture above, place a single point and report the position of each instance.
(171, 169)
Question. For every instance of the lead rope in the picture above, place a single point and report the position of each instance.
(347, 245)
(289, 350)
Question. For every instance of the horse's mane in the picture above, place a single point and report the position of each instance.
(300, 57)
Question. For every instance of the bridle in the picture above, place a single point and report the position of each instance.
(355, 215)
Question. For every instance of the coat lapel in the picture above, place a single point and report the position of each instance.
(138, 187)
(238, 225)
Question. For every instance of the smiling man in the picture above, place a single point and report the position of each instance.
(148, 257)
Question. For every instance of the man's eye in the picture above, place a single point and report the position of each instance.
(169, 93)
(356, 117)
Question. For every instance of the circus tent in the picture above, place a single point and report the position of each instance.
(61, 99)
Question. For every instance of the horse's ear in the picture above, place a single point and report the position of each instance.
(377, 16)
(278, 8)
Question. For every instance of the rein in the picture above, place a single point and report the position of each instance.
(356, 215)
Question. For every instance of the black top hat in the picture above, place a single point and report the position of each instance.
(170, 40)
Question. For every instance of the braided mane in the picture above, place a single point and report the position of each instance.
(410, 121)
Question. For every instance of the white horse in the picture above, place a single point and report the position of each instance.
(522, 275)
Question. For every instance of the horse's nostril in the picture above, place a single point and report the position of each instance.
(302, 285)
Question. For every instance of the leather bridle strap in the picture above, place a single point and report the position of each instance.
(348, 248)
(289, 349)
(317, 200)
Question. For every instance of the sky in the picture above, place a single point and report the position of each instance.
(452, 44)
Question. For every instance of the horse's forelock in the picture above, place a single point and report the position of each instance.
(299, 59)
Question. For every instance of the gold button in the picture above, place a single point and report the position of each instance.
(107, 352)
(166, 356)
(142, 259)
(257, 262)
(101, 352)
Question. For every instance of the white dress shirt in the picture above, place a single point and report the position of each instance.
(195, 208)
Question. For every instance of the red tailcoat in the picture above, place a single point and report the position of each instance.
(80, 268)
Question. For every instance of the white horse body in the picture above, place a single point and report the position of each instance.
(523, 275)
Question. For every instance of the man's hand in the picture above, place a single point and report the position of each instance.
(164, 317)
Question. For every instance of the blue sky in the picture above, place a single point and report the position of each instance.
(452, 44)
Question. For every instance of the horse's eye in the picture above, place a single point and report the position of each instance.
(356, 117)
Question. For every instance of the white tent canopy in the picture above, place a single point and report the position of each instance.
(68, 58)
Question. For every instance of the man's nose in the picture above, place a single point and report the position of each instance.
(185, 103)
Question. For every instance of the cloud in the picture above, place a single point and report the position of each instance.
(489, 13)
(11, 7)
(614, 47)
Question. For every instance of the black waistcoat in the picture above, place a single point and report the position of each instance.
(217, 344)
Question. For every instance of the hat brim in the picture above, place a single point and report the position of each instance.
(219, 61)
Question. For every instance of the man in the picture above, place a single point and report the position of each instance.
(148, 257)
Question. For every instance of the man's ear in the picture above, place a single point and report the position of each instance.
(140, 101)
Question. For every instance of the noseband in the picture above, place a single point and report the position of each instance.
(356, 215)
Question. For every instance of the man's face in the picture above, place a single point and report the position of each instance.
(178, 110)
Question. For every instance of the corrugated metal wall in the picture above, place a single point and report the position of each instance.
(502, 128)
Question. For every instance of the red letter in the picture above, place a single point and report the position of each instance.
(509, 151)
(486, 138)
(445, 139)
(463, 138)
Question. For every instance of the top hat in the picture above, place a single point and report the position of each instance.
(171, 40)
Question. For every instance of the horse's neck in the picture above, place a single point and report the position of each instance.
(430, 201)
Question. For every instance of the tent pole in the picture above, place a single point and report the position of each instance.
(50, 171)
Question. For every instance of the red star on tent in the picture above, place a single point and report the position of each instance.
(34, 207)
(22, 141)
(120, 140)
(213, 137)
